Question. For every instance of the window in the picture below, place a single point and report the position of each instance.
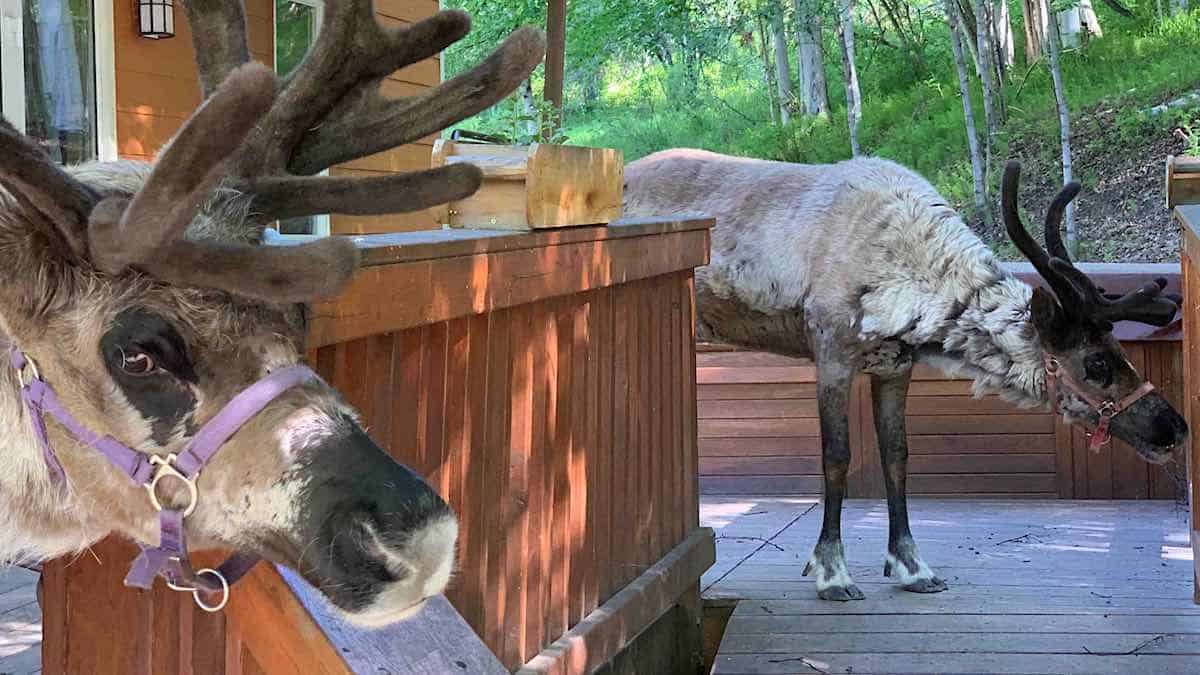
(48, 74)
(296, 26)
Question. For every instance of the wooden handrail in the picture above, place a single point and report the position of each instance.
(421, 278)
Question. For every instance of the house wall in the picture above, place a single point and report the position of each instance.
(157, 88)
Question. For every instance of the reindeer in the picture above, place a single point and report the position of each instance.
(156, 389)
(863, 267)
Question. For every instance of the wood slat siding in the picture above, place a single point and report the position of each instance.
(157, 88)
(1188, 217)
(759, 434)
(559, 426)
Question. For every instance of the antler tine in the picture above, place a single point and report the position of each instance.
(331, 111)
(1068, 296)
(1146, 304)
(367, 124)
(41, 184)
(1054, 218)
(218, 38)
(124, 231)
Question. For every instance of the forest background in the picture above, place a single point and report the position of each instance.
(1101, 95)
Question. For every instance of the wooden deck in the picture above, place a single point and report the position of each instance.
(1035, 587)
(20, 623)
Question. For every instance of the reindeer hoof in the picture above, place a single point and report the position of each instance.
(932, 585)
(841, 593)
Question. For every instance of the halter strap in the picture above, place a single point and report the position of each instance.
(1107, 409)
(170, 558)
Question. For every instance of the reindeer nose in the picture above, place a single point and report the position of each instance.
(1170, 429)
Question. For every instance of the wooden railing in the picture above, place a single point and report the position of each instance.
(759, 433)
(544, 383)
(1183, 194)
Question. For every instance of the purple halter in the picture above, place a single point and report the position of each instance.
(170, 558)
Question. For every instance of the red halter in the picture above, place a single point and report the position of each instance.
(1107, 408)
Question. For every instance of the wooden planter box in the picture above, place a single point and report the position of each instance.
(536, 186)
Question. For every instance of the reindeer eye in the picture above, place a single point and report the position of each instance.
(1098, 370)
(138, 363)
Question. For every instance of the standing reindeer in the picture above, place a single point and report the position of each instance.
(862, 267)
(155, 388)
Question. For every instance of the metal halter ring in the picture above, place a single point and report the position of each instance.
(196, 592)
(166, 470)
(1053, 366)
(31, 367)
(1109, 409)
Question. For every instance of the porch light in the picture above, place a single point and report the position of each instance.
(156, 18)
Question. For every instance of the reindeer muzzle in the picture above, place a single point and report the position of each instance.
(1107, 409)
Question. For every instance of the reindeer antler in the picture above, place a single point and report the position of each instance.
(263, 141)
(331, 110)
(1068, 296)
(1146, 304)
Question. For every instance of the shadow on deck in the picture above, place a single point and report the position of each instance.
(1035, 587)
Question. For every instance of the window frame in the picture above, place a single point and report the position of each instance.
(322, 223)
(12, 72)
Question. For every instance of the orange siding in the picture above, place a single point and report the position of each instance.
(157, 88)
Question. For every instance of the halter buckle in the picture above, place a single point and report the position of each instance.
(166, 469)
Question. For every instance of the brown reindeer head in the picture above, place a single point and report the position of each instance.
(145, 299)
(1075, 324)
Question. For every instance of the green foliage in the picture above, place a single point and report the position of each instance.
(645, 75)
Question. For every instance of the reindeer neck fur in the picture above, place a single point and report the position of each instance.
(994, 341)
(41, 519)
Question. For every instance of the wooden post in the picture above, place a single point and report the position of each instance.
(1184, 196)
(556, 48)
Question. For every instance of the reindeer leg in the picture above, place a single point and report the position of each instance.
(888, 394)
(828, 562)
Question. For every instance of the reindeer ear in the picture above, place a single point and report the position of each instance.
(1053, 326)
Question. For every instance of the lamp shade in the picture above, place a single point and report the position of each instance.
(156, 19)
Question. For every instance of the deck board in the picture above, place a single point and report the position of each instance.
(1035, 587)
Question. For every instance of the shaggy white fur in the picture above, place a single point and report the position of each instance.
(865, 250)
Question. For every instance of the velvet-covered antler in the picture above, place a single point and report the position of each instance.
(331, 108)
(1068, 296)
(1146, 304)
(263, 141)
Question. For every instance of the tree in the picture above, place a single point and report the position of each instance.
(783, 66)
(813, 90)
(1003, 32)
(985, 48)
(964, 85)
(556, 50)
(1064, 126)
(845, 33)
(768, 71)
(1035, 17)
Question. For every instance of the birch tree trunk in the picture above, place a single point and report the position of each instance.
(987, 78)
(1036, 18)
(964, 86)
(768, 75)
(783, 67)
(813, 90)
(1064, 125)
(845, 35)
(1002, 29)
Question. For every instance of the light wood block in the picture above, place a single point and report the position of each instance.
(533, 187)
